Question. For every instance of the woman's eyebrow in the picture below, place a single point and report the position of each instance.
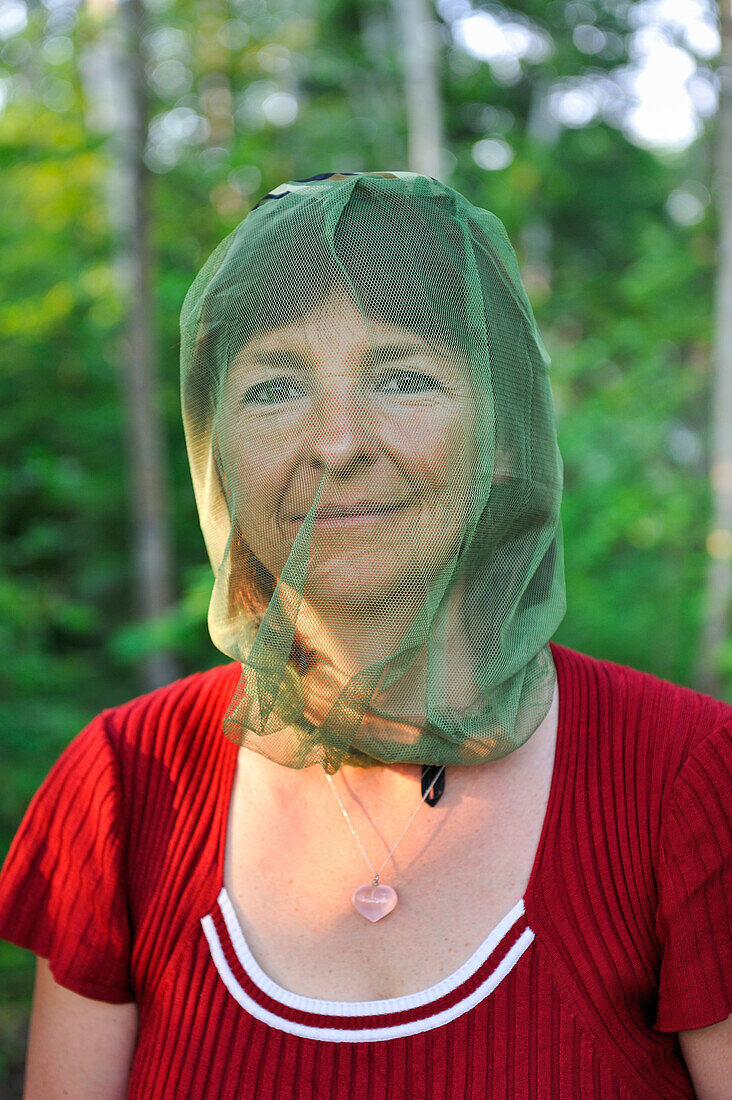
(278, 357)
(397, 351)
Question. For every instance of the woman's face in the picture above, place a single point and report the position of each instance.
(387, 417)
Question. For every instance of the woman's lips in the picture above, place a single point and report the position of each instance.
(352, 519)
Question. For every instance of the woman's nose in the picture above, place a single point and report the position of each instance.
(342, 429)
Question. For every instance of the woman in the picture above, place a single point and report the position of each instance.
(438, 855)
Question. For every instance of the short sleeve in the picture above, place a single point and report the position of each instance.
(695, 890)
(62, 892)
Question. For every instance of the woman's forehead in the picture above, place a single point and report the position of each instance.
(315, 332)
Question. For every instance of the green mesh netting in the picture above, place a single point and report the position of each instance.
(371, 436)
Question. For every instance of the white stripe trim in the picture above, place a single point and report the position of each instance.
(358, 1008)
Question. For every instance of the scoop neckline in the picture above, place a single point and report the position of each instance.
(231, 951)
(349, 1009)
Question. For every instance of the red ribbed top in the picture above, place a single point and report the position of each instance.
(623, 935)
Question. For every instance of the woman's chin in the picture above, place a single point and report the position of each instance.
(352, 597)
(353, 586)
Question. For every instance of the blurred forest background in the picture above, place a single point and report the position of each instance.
(134, 136)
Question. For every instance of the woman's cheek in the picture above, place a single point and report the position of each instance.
(441, 466)
(248, 482)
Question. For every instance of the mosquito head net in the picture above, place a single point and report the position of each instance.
(371, 436)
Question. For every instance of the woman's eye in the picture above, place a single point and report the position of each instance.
(273, 392)
(407, 381)
(277, 390)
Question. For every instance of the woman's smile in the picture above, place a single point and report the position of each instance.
(352, 516)
(347, 521)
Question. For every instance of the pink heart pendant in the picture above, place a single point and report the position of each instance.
(374, 902)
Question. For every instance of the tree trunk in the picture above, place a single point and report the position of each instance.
(148, 480)
(716, 623)
(535, 241)
(418, 37)
(116, 104)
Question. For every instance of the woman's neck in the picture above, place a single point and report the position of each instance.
(396, 784)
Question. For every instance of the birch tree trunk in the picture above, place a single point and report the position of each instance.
(716, 623)
(419, 43)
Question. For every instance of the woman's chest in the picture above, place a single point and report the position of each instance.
(292, 896)
(459, 868)
(321, 947)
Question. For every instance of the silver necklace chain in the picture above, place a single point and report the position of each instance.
(344, 811)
